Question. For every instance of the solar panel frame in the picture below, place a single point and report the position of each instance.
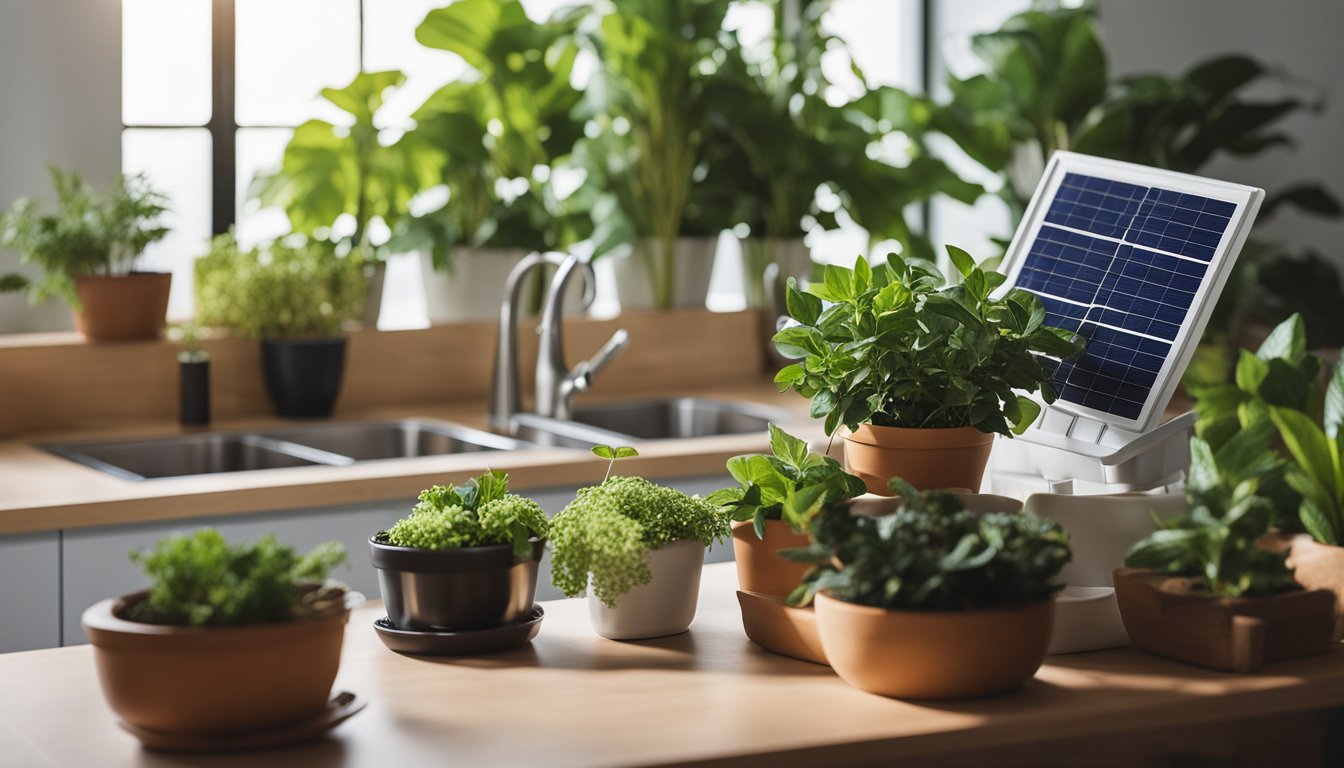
(1221, 257)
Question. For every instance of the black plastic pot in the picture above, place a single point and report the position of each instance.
(455, 589)
(194, 391)
(303, 376)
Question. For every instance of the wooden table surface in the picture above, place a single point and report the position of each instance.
(705, 697)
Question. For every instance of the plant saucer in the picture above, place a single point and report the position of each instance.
(342, 707)
(435, 642)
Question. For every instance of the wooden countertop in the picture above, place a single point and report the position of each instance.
(40, 491)
(710, 695)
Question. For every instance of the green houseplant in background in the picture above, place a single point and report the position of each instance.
(294, 295)
(255, 624)
(921, 376)
(87, 251)
(330, 171)
(933, 601)
(638, 549)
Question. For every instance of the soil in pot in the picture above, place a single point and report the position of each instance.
(664, 606)
(934, 654)
(456, 590)
(928, 459)
(122, 307)
(760, 569)
(303, 376)
(213, 680)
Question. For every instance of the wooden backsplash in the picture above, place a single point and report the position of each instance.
(54, 382)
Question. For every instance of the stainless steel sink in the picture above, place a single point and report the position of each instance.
(371, 441)
(661, 419)
(201, 454)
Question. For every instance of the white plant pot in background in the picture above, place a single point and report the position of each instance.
(474, 288)
(694, 258)
(664, 606)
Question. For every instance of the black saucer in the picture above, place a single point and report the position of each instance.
(471, 642)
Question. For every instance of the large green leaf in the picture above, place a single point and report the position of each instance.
(1310, 448)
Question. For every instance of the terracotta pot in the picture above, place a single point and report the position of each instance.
(934, 654)
(122, 307)
(928, 459)
(1320, 566)
(781, 628)
(664, 606)
(1168, 616)
(213, 680)
(760, 569)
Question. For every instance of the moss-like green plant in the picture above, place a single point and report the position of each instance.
(608, 531)
(202, 580)
(480, 514)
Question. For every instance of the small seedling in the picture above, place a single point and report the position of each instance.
(611, 454)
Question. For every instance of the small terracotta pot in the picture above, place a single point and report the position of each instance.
(781, 628)
(928, 459)
(664, 606)
(1320, 566)
(213, 680)
(934, 654)
(122, 307)
(760, 569)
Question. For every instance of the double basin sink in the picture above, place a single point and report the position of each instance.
(340, 444)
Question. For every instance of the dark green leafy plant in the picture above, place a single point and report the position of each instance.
(1317, 448)
(932, 555)
(480, 514)
(792, 485)
(896, 348)
(88, 234)
(202, 580)
(608, 531)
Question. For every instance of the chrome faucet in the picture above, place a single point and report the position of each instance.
(556, 384)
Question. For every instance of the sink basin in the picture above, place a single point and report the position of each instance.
(661, 419)
(370, 441)
(201, 454)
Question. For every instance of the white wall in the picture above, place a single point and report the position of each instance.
(60, 101)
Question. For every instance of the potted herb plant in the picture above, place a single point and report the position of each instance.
(638, 549)
(776, 497)
(933, 601)
(88, 250)
(294, 295)
(921, 376)
(465, 558)
(229, 638)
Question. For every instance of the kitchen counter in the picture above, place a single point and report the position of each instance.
(707, 696)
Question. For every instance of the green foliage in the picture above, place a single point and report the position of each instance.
(480, 514)
(202, 580)
(88, 234)
(608, 530)
(612, 454)
(290, 288)
(792, 485)
(896, 348)
(932, 555)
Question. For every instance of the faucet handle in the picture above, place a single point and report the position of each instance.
(585, 371)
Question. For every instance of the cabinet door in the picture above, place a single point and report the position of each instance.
(96, 563)
(30, 591)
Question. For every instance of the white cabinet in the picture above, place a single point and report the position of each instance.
(30, 591)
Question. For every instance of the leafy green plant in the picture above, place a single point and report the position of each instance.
(608, 531)
(1317, 448)
(896, 348)
(612, 454)
(88, 233)
(290, 288)
(932, 555)
(202, 580)
(792, 485)
(480, 514)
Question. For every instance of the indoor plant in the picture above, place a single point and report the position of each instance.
(638, 548)
(465, 557)
(227, 639)
(87, 251)
(933, 601)
(921, 376)
(771, 507)
(294, 295)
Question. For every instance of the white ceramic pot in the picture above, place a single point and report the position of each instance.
(694, 257)
(664, 606)
(473, 289)
(791, 254)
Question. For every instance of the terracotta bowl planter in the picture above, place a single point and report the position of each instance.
(122, 307)
(213, 680)
(781, 628)
(1168, 616)
(928, 459)
(760, 569)
(664, 606)
(934, 654)
(455, 589)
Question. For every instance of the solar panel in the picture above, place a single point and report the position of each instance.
(1132, 259)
